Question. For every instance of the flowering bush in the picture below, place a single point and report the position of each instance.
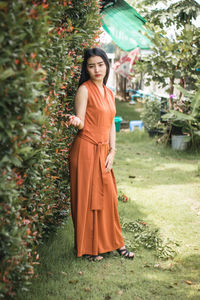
(122, 197)
(41, 49)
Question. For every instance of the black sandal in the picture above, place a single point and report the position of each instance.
(125, 253)
(93, 257)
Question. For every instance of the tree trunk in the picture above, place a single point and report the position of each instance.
(171, 92)
(182, 84)
(121, 86)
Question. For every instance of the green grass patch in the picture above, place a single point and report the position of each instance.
(128, 111)
(162, 186)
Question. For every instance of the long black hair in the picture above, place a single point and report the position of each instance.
(87, 54)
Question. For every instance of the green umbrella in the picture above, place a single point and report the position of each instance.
(125, 26)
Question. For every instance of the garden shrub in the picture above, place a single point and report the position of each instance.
(151, 114)
(41, 48)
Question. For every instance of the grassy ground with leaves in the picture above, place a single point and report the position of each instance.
(162, 213)
(128, 111)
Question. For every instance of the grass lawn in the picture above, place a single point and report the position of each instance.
(164, 190)
(128, 111)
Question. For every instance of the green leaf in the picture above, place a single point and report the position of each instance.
(196, 104)
(177, 116)
(6, 74)
(24, 150)
(16, 161)
(184, 91)
(197, 133)
(3, 4)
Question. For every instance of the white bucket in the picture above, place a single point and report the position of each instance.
(178, 142)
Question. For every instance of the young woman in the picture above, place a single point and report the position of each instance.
(93, 188)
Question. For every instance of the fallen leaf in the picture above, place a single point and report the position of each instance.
(188, 282)
(143, 223)
(170, 266)
(87, 289)
(81, 273)
(49, 273)
(63, 273)
(120, 292)
(73, 281)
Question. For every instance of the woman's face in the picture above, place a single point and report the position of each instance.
(96, 68)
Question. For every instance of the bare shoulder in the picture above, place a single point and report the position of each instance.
(82, 91)
(81, 97)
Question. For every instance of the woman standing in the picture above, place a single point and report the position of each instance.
(93, 188)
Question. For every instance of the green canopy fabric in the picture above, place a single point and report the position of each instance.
(125, 26)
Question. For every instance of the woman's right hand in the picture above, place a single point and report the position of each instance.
(74, 121)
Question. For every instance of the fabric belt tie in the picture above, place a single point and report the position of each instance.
(97, 187)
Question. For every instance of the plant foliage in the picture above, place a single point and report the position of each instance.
(149, 238)
(176, 49)
(187, 117)
(151, 114)
(174, 60)
(41, 49)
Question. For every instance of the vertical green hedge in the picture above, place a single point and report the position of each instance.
(41, 47)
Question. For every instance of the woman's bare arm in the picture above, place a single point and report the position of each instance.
(111, 154)
(112, 137)
(81, 100)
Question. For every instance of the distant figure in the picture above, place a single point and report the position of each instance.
(93, 188)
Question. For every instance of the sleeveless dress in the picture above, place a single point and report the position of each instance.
(93, 190)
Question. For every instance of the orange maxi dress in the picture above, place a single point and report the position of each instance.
(93, 190)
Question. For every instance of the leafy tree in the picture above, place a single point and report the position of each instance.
(176, 56)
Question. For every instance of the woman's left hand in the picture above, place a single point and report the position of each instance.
(109, 161)
(74, 121)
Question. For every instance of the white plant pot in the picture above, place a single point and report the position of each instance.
(178, 142)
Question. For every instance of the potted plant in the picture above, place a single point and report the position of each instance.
(184, 121)
(151, 116)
